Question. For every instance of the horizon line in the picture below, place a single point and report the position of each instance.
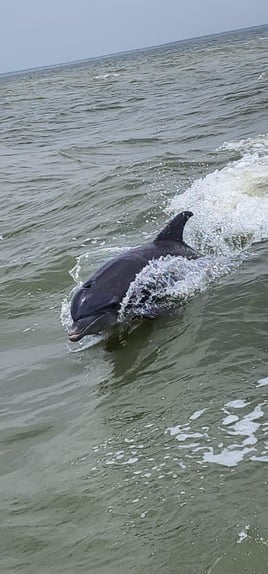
(121, 52)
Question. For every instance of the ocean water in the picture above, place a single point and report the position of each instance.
(148, 453)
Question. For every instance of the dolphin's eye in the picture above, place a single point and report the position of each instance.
(89, 284)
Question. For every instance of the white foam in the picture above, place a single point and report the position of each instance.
(238, 437)
(197, 414)
(86, 343)
(243, 534)
(65, 314)
(245, 427)
(263, 458)
(238, 404)
(262, 382)
(226, 457)
(230, 205)
(248, 146)
(230, 419)
(105, 76)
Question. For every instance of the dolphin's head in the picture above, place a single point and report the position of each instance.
(90, 313)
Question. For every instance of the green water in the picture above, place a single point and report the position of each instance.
(147, 454)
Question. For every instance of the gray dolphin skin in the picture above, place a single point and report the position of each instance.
(95, 305)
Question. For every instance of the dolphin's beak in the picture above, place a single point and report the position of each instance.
(79, 329)
(73, 336)
(91, 325)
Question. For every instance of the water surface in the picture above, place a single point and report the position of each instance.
(146, 454)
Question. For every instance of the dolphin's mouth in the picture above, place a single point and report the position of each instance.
(83, 327)
(91, 325)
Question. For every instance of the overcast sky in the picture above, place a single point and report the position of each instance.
(44, 32)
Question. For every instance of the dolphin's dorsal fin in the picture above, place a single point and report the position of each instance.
(174, 229)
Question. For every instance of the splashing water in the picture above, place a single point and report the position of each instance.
(230, 209)
(170, 281)
(230, 206)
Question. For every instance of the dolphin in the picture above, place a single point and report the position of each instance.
(95, 305)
